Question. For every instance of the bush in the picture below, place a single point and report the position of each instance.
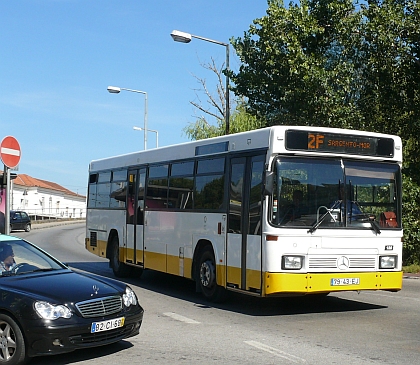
(411, 220)
(412, 269)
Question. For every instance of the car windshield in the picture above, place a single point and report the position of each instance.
(321, 193)
(20, 257)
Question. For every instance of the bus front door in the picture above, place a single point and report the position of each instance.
(244, 226)
(135, 216)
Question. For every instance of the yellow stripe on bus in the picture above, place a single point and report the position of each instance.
(99, 249)
(276, 283)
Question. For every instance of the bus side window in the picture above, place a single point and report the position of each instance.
(180, 192)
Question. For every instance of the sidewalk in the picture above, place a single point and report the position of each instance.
(408, 275)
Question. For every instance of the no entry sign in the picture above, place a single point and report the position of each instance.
(10, 151)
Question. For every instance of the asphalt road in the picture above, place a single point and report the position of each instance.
(181, 328)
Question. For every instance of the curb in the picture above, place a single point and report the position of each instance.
(54, 224)
(411, 276)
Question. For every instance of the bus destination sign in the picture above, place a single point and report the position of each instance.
(339, 143)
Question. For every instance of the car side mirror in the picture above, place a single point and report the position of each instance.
(269, 183)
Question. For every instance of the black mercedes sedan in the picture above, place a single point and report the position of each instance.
(46, 308)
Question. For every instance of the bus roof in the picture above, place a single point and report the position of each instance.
(252, 140)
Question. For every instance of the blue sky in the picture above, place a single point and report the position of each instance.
(59, 56)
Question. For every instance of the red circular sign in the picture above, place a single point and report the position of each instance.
(10, 151)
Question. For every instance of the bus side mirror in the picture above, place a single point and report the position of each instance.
(269, 183)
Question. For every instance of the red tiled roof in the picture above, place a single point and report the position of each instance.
(29, 181)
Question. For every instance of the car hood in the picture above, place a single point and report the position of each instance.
(62, 286)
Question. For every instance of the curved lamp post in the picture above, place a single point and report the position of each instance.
(149, 130)
(183, 37)
(117, 90)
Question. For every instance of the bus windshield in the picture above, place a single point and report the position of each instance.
(335, 193)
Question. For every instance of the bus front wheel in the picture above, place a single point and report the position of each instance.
(207, 277)
(120, 269)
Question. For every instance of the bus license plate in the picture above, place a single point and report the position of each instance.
(345, 281)
(107, 325)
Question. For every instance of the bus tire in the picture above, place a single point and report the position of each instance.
(206, 277)
(120, 269)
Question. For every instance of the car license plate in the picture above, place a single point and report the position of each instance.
(345, 281)
(107, 325)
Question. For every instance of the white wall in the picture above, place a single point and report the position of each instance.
(49, 203)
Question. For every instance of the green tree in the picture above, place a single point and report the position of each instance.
(214, 108)
(296, 68)
(411, 221)
(337, 63)
(332, 63)
(240, 121)
(390, 101)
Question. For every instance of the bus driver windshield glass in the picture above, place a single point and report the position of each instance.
(336, 193)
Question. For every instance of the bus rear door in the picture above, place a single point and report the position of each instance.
(244, 226)
(135, 216)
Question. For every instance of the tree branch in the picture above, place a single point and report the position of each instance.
(219, 102)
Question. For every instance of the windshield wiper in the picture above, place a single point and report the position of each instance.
(365, 217)
(321, 219)
(375, 226)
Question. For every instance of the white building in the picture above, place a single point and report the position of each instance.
(44, 199)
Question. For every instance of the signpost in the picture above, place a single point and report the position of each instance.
(10, 155)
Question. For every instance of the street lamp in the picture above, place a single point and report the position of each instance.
(117, 90)
(183, 37)
(149, 130)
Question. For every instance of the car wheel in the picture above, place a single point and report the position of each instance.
(120, 269)
(10, 228)
(28, 227)
(12, 343)
(207, 277)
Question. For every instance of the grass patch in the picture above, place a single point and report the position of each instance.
(412, 269)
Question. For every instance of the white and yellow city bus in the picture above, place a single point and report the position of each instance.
(284, 210)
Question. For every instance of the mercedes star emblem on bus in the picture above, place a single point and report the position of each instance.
(343, 263)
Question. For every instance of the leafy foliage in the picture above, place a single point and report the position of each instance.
(338, 63)
(240, 121)
(333, 63)
(296, 68)
(411, 221)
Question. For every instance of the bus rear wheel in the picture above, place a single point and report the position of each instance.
(120, 269)
(207, 277)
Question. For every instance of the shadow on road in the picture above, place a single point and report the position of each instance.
(180, 288)
(184, 289)
(82, 355)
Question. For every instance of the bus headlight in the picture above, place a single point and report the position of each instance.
(292, 262)
(387, 262)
